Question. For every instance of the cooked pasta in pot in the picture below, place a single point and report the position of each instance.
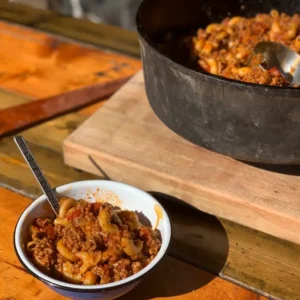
(226, 48)
(91, 243)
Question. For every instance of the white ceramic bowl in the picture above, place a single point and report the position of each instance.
(122, 195)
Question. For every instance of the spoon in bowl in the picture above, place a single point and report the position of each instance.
(286, 61)
(48, 191)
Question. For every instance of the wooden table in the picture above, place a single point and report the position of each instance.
(210, 258)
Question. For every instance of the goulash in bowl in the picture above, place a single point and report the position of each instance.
(91, 243)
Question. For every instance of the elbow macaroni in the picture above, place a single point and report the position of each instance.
(105, 221)
(132, 248)
(91, 243)
(65, 205)
(65, 252)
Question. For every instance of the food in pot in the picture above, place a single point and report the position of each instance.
(226, 48)
(91, 243)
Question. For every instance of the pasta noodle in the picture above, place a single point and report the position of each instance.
(104, 221)
(91, 243)
(65, 252)
(66, 204)
(132, 248)
(90, 278)
(69, 275)
(89, 260)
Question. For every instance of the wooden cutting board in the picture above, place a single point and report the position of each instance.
(127, 142)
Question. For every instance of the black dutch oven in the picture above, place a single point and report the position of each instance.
(250, 122)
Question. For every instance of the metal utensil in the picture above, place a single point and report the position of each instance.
(48, 191)
(283, 58)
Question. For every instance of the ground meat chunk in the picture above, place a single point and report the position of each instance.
(121, 269)
(59, 263)
(76, 240)
(73, 238)
(43, 222)
(152, 244)
(136, 267)
(44, 253)
(104, 272)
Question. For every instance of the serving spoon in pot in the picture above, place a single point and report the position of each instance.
(286, 61)
(48, 191)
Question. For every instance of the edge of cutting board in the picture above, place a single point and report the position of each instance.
(128, 142)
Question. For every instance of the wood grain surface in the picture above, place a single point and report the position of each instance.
(173, 279)
(63, 65)
(19, 117)
(129, 142)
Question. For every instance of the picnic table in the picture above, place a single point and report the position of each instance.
(42, 55)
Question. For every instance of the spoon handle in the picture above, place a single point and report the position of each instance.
(37, 173)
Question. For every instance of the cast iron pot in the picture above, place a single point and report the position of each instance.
(249, 122)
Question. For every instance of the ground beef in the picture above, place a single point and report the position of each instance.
(152, 244)
(73, 238)
(104, 272)
(44, 253)
(102, 252)
(136, 267)
(121, 269)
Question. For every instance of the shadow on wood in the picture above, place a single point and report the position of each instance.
(191, 223)
(165, 281)
(191, 238)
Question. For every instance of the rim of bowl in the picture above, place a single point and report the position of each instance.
(30, 267)
(146, 39)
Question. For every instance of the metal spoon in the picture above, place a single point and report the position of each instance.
(48, 191)
(283, 58)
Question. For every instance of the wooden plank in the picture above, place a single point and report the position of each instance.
(85, 31)
(52, 164)
(49, 66)
(7, 99)
(58, 128)
(22, 14)
(101, 35)
(40, 4)
(19, 117)
(265, 262)
(173, 279)
(265, 201)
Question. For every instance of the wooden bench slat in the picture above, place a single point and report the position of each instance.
(100, 35)
(49, 66)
